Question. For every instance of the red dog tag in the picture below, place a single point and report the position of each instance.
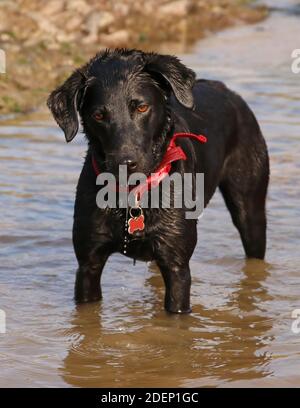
(136, 223)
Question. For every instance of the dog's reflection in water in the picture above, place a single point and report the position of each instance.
(140, 346)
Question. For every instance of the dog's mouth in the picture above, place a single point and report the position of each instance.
(145, 164)
(131, 169)
(122, 173)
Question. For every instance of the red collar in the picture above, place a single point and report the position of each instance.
(172, 154)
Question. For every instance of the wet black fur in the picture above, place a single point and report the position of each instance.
(235, 159)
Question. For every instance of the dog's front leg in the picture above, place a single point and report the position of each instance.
(177, 280)
(92, 246)
(88, 276)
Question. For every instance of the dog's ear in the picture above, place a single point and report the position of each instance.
(65, 101)
(169, 70)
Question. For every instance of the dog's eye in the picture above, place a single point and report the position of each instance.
(142, 108)
(98, 116)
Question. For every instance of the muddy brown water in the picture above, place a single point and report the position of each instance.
(240, 332)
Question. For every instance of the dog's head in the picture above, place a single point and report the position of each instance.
(122, 97)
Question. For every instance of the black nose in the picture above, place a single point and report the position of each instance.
(131, 164)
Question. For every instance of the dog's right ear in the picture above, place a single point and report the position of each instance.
(65, 101)
(172, 74)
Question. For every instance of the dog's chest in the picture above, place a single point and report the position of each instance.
(142, 243)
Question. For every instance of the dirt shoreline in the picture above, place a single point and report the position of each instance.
(43, 46)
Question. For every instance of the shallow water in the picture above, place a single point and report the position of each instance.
(240, 331)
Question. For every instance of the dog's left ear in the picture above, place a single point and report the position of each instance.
(174, 74)
(64, 103)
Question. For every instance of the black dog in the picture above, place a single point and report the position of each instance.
(130, 104)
